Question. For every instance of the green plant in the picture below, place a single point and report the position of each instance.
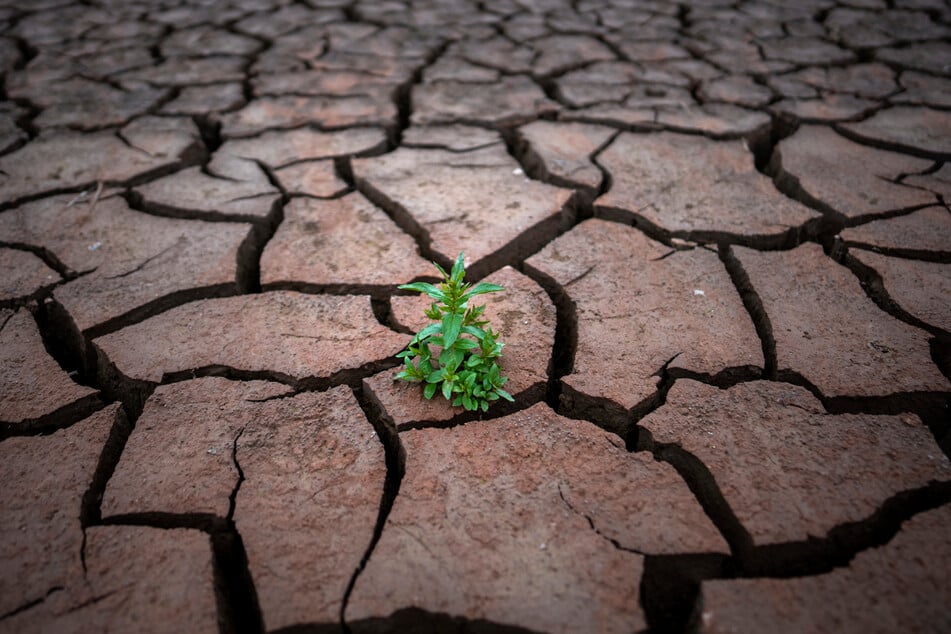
(466, 369)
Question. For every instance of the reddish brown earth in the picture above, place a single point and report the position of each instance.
(724, 236)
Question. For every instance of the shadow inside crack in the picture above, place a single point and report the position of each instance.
(670, 589)
(523, 400)
(51, 422)
(670, 585)
(410, 621)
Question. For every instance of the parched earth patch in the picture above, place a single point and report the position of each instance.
(724, 239)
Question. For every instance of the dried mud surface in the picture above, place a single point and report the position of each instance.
(725, 233)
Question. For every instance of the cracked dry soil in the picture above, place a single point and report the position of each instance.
(725, 234)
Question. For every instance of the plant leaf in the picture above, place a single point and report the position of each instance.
(482, 288)
(424, 287)
(458, 267)
(465, 344)
(478, 333)
(456, 357)
(428, 331)
(429, 390)
(504, 394)
(447, 390)
(451, 325)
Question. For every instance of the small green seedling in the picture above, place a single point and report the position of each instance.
(465, 368)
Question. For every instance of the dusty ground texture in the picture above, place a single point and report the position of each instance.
(725, 234)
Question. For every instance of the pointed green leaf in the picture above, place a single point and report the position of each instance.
(475, 313)
(504, 394)
(451, 325)
(478, 333)
(447, 390)
(482, 288)
(429, 390)
(455, 359)
(441, 270)
(424, 287)
(458, 268)
(428, 331)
